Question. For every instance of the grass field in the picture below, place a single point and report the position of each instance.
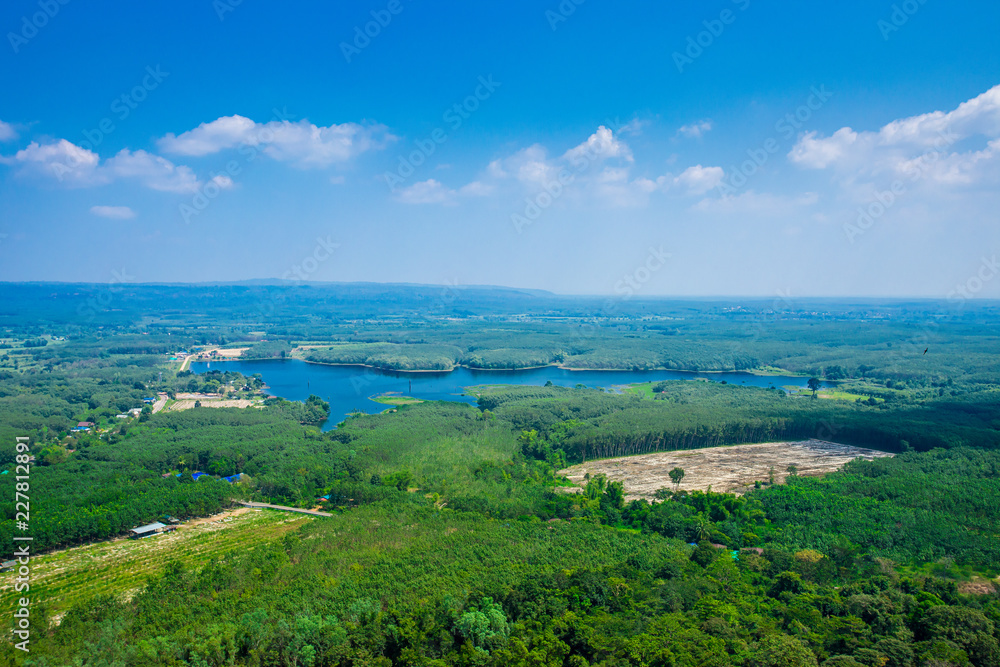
(121, 567)
(395, 399)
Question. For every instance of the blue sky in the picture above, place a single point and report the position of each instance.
(728, 148)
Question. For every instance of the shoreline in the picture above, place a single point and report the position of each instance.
(755, 373)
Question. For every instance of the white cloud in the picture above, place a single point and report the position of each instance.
(814, 153)
(601, 145)
(757, 203)
(7, 132)
(477, 189)
(426, 192)
(695, 130)
(74, 166)
(598, 170)
(432, 191)
(113, 212)
(223, 182)
(207, 138)
(62, 160)
(920, 147)
(153, 171)
(698, 180)
(301, 143)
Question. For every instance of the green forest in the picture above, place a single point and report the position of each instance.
(454, 538)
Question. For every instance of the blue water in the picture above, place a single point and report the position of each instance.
(348, 388)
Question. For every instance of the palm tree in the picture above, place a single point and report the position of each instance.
(703, 527)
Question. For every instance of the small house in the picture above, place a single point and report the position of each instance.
(232, 479)
(7, 565)
(197, 475)
(149, 530)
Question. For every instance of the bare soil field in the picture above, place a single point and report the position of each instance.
(187, 404)
(729, 469)
(231, 353)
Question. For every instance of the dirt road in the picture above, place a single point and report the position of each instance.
(285, 509)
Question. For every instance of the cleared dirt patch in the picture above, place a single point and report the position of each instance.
(213, 403)
(729, 469)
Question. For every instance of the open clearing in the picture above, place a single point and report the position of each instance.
(213, 403)
(186, 401)
(121, 566)
(731, 469)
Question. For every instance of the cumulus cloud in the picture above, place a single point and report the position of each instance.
(598, 170)
(207, 138)
(222, 181)
(814, 153)
(7, 132)
(426, 192)
(113, 212)
(432, 191)
(695, 130)
(921, 147)
(62, 160)
(599, 146)
(74, 166)
(153, 171)
(300, 143)
(698, 180)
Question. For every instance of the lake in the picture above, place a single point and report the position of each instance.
(348, 388)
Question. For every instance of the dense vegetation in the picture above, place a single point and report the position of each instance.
(586, 423)
(430, 577)
(454, 541)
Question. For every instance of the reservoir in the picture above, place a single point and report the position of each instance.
(349, 388)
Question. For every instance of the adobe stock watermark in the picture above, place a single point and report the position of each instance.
(884, 200)
(929, 332)
(363, 36)
(121, 107)
(786, 128)
(321, 252)
(22, 554)
(451, 290)
(554, 189)
(630, 284)
(223, 7)
(562, 12)
(900, 16)
(698, 43)
(988, 269)
(454, 116)
(756, 327)
(249, 149)
(89, 309)
(48, 9)
(300, 271)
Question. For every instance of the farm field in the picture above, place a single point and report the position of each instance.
(121, 567)
(723, 469)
